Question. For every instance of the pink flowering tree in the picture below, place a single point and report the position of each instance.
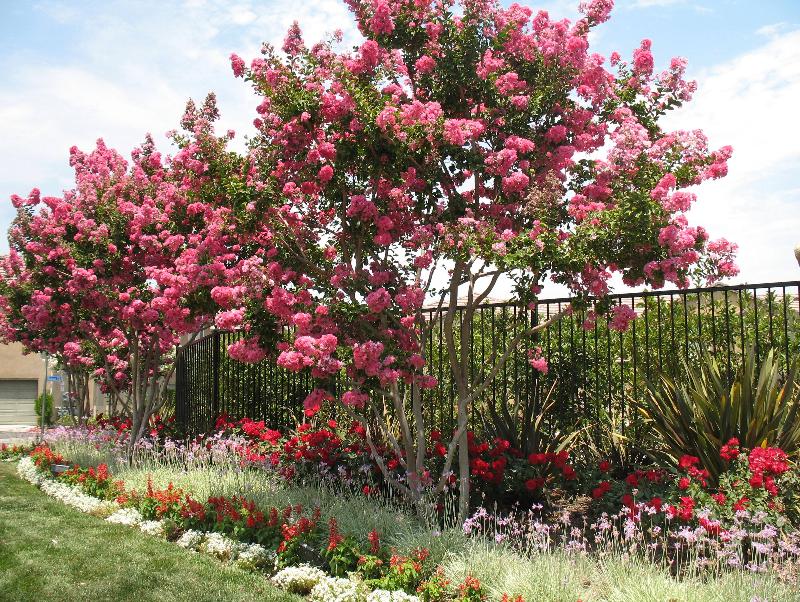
(29, 314)
(461, 143)
(120, 268)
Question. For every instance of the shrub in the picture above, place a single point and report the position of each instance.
(48, 407)
(759, 481)
(758, 407)
(528, 424)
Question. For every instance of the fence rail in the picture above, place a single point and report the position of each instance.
(597, 371)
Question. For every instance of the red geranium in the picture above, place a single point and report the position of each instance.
(730, 451)
(599, 491)
(534, 484)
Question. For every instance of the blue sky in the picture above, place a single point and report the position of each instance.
(73, 71)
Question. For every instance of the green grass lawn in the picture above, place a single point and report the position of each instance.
(50, 552)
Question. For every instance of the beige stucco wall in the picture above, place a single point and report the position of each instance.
(14, 364)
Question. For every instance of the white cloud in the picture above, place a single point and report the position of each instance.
(127, 69)
(773, 29)
(242, 15)
(50, 109)
(750, 103)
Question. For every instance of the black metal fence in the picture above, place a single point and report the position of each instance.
(597, 371)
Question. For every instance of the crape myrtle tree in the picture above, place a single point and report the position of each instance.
(118, 269)
(460, 138)
(23, 321)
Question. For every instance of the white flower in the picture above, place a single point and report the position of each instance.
(68, 494)
(191, 540)
(298, 579)
(382, 595)
(152, 527)
(74, 496)
(254, 556)
(336, 589)
(220, 546)
(130, 517)
(28, 471)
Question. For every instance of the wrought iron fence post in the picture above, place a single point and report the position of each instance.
(215, 375)
(181, 412)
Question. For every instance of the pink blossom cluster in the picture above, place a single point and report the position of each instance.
(111, 266)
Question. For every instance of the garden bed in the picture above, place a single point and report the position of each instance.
(369, 542)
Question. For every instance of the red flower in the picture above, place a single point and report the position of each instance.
(374, 542)
(599, 491)
(471, 584)
(770, 460)
(632, 480)
(741, 504)
(534, 484)
(769, 485)
(654, 475)
(537, 459)
(684, 511)
(683, 483)
(700, 474)
(604, 466)
(719, 498)
(730, 450)
(500, 446)
(334, 537)
(687, 461)
(499, 464)
(711, 527)
(630, 504)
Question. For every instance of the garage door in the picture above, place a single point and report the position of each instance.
(16, 401)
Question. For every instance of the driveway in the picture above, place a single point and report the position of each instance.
(17, 432)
